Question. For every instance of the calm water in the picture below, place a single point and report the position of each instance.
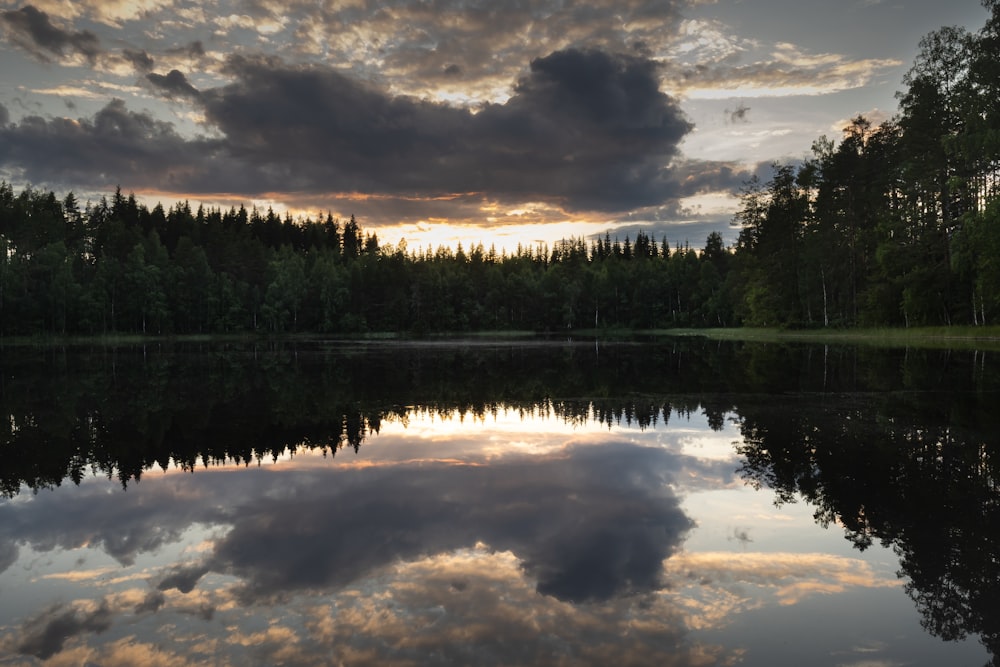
(683, 503)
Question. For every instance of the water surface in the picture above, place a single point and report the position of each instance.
(681, 503)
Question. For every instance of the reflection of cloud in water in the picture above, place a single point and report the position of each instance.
(152, 516)
(129, 652)
(587, 524)
(474, 606)
(45, 634)
(59, 633)
(8, 552)
(430, 563)
(591, 525)
(716, 585)
(417, 562)
(469, 606)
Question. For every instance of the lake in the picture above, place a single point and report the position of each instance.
(555, 502)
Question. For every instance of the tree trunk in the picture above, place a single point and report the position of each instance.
(826, 315)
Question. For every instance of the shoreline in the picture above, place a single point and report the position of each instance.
(959, 337)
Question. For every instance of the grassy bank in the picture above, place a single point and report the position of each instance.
(984, 338)
(930, 337)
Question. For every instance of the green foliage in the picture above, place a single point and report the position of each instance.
(894, 225)
(120, 267)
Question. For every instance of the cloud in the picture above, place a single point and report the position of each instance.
(45, 634)
(587, 130)
(122, 529)
(592, 123)
(787, 578)
(575, 542)
(109, 12)
(140, 60)
(173, 84)
(130, 651)
(787, 72)
(584, 130)
(153, 601)
(184, 578)
(194, 49)
(489, 42)
(578, 542)
(475, 607)
(32, 30)
(115, 146)
(8, 549)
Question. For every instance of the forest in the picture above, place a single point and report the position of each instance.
(896, 225)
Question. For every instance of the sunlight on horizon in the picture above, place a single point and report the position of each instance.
(503, 238)
(501, 230)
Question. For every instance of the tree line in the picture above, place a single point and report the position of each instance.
(119, 266)
(896, 225)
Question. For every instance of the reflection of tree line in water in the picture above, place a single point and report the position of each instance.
(123, 411)
(899, 447)
(917, 473)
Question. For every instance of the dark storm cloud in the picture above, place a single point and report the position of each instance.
(32, 30)
(584, 130)
(116, 146)
(592, 526)
(604, 131)
(173, 84)
(4, 116)
(322, 118)
(45, 634)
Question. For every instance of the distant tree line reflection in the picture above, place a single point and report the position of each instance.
(121, 411)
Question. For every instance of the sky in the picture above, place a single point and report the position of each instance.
(446, 121)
